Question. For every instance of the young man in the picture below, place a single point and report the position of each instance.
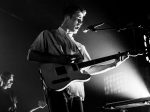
(6, 80)
(8, 101)
(58, 47)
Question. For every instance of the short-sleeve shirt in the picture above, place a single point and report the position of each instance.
(57, 42)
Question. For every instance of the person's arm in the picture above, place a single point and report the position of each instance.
(45, 57)
(97, 69)
(48, 58)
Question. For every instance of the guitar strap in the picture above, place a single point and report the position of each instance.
(77, 47)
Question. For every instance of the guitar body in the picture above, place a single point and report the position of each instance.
(58, 77)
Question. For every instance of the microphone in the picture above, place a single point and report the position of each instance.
(93, 27)
(129, 27)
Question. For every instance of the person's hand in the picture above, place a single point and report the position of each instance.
(68, 59)
(41, 103)
(120, 59)
(63, 59)
(77, 58)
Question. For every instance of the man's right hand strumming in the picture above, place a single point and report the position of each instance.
(68, 59)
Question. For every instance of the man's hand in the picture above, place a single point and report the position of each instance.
(120, 59)
(68, 59)
(78, 58)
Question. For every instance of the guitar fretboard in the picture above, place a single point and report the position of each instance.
(100, 60)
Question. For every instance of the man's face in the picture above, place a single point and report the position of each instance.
(9, 82)
(75, 22)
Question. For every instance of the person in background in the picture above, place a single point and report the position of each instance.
(7, 100)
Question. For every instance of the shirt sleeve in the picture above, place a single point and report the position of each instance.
(47, 42)
(39, 43)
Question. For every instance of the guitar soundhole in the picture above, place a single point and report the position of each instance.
(61, 70)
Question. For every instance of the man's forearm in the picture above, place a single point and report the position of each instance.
(42, 57)
(98, 69)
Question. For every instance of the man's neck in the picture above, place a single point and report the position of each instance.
(67, 31)
(70, 34)
(64, 27)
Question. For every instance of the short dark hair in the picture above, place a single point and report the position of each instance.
(72, 9)
(6, 75)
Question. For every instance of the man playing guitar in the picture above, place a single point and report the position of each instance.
(61, 60)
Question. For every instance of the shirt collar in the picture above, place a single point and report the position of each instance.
(62, 31)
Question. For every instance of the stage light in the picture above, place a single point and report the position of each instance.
(146, 39)
(124, 81)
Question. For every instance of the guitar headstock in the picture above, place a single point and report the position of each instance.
(135, 52)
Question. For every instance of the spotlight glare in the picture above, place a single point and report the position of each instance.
(144, 37)
(147, 58)
(126, 83)
(145, 44)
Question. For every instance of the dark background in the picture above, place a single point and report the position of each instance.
(22, 20)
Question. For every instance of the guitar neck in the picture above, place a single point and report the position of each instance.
(100, 60)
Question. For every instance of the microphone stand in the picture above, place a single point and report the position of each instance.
(117, 29)
(45, 90)
(96, 29)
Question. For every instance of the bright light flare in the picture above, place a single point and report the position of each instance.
(125, 83)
